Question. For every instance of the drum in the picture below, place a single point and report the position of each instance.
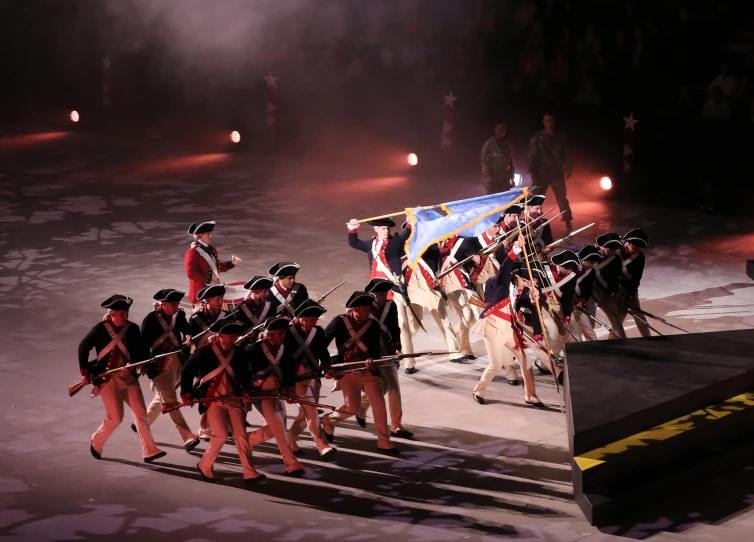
(234, 295)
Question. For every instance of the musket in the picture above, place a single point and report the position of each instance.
(169, 407)
(328, 292)
(248, 334)
(496, 243)
(73, 389)
(568, 237)
(599, 322)
(391, 359)
(567, 327)
(404, 292)
(642, 320)
(645, 313)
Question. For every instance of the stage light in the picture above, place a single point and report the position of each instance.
(412, 159)
(235, 137)
(606, 183)
(517, 179)
(74, 116)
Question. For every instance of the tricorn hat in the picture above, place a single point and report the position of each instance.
(535, 201)
(284, 269)
(515, 209)
(258, 283)
(169, 295)
(609, 240)
(227, 326)
(567, 259)
(309, 309)
(275, 323)
(360, 299)
(637, 237)
(211, 291)
(389, 222)
(117, 302)
(379, 286)
(201, 227)
(589, 253)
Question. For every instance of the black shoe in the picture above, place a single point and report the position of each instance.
(462, 359)
(247, 424)
(253, 481)
(478, 398)
(328, 454)
(95, 453)
(298, 473)
(155, 457)
(401, 433)
(133, 428)
(204, 439)
(561, 377)
(411, 370)
(320, 411)
(535, 404)
(329, 437)
(470, 357)
(204, 476)
(389, 451)
(361, 421)
(513, 382)
(541, 368)
(190, 445)
(298, 452)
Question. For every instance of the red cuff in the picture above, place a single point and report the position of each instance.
(352, 228)
(84, 372)
(512, 255)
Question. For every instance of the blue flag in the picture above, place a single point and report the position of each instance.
(468, 217)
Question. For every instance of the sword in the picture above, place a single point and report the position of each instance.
(568, 237)
(597, 320)
(642, 320)
(645, 313)
(324, 296)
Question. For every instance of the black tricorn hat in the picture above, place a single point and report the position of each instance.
(520, 269)
(275, 323)
(201, 227)
(309, 309)
(211, 291)
(589, 253)
(169, 295)
(360, 299)
(609, 240)
(515, 209)
(117, 302)
(535, 200)
(379, 286)
(258, 283)
(567, 259)
(389, 222)
(284, 269)
(637, 237)
(227, 326)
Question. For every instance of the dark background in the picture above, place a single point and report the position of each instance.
(191, 71)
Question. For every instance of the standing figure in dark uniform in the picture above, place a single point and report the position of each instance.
(255, 308)
(497, 161)
(633, 268)
(163, 330)
(607, 280)
(562, 275)
(308, 346)
(202, 263)
(550, 165)
(118, 343)
(285, 293)
(358, 339)
(534, 217)
(223, 372)
(589, 256)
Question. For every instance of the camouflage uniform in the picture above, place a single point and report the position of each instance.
(549, 160)
(497, 165)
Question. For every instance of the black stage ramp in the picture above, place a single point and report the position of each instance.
(645, 415)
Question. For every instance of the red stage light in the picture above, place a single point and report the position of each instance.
(412, 159)
(235, 137)
(74, 116)
(606, 183)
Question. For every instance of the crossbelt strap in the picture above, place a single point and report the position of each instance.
(209, 258)
(117, 340)
(285, 302)
(626, 262)
(224, 365)
(556, 286)
(598, 267)
(377, 252)
(304, 350)
(355, 336)
(251, 316)
(167, 331)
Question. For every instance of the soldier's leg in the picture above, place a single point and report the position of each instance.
(134, 398)
(392, 387)
(456, 302)
(372, 385)
(165, 392)
(440, 316)
(582, 326)
(404, 316)
(610, 308)
(352, 387)
(494, 348)
(204, 430)
(559, 189)
(113, 402)
(274, 415)
(555, 335)
(632, 302)
(218, 419)
(237, 418)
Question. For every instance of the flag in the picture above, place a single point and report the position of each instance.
(468, 217)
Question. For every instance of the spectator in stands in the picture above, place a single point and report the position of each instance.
(588, 95)
(716, 107)
(724, 81)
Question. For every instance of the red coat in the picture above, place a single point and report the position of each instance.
(197, 269)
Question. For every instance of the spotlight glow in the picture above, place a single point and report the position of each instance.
(235, 137)
(74, 116)
(606, 183)
(412, 159)
(517, 179)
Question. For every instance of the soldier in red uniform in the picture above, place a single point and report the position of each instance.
(202, 263)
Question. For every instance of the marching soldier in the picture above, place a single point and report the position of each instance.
(563, 277)
(286, 293)
(358, 339)
(589, 256)
(210, 311)
(255, 308)
(202, 263)
(533, 216)
(633, 268)
(310, 359)
(497, 161)
(550, 165)
(607, 280)
(162, 331)
(385, 314)
(273, 372)
(223, 372)
(498, 327)
(117, 342)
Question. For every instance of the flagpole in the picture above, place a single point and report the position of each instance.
(536, 305)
